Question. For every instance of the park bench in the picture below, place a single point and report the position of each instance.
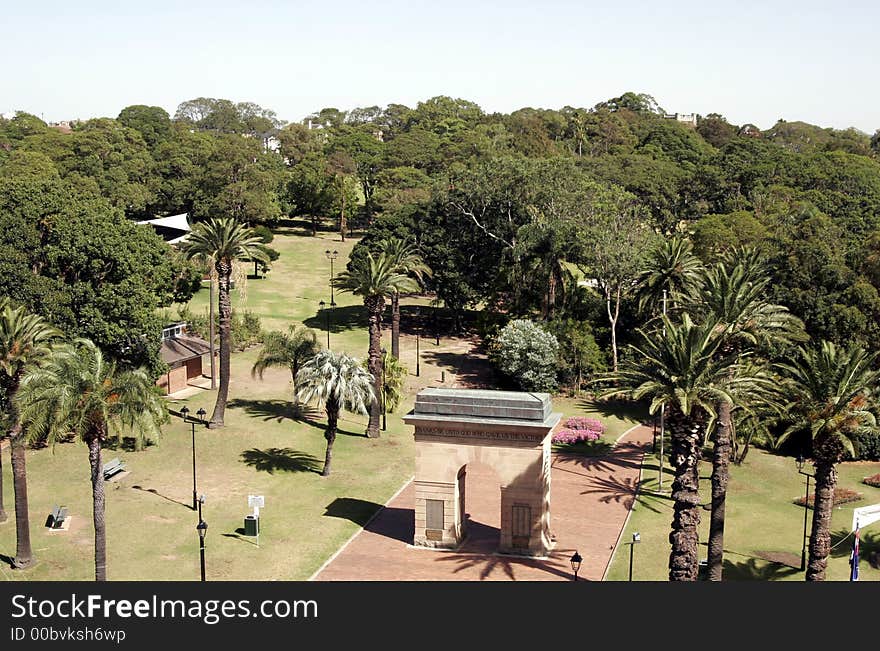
(57, 517)
(113, 467)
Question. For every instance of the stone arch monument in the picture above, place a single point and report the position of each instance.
(506, 430)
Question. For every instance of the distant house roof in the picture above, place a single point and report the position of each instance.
(183, 347)
(173, 229)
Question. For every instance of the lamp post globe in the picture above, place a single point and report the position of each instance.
(202, 528)
(576, 561)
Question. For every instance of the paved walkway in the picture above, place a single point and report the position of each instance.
(590, 500)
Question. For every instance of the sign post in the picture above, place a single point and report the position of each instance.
(256, 502)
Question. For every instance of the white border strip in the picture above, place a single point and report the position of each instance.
(630, 510)
(360, 529)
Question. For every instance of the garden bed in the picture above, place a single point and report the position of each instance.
(841, 496)
(873, 480)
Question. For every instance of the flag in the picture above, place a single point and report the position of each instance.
(854, 558)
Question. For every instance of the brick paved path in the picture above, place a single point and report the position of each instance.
(590, 499)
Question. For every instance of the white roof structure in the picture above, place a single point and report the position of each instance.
(167, 225)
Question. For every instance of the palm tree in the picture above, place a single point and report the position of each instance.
(339, 382)
(734, 294)
(672, 266)
(394, 377)
(832, 393)
(77, 390)
(224, 242)
(24, 341)
(375, 279)
(288, 350)
(410, 263)
(679, 369)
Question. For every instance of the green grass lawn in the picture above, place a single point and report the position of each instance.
(763, 530)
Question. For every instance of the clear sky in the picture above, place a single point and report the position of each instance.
(748, 60)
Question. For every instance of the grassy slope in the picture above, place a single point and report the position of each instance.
(762, 522)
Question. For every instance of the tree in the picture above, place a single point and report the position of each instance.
(375, 279)
(678, 368)
(223, 242)
(288, 350)
(734, 294)
(527, 353)
(614, 243)
(339, 382)
(24, 342)
(79, 390)
(408, 262)
(393, 379)
(831, 396)
(153, 122)
(70, 257)
(670, 269)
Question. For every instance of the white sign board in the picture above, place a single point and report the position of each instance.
(257, 502)
(866, 515)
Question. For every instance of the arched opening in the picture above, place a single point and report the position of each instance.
(479, 502)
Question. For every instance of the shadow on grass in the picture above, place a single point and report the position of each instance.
(390, 522)
(348, 317)
(869, 545)
(239, 535)
(618, 408)
(158, 494)
(750, 570)
(8, 560)
(127, 444)
(271, 460)
(275, 409)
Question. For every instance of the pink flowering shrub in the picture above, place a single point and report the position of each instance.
(579, 429)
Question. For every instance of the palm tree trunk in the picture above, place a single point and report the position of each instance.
(224, 273)
(332, 419)
(97, 468)
(684, 537)
(395, 325)
(3, 516)
(820, 536)
(375, 305)
(720, 479)
(24, 555)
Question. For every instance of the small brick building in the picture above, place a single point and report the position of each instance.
(183, 353)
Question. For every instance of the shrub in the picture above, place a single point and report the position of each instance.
(873, 480)
(866, 445)
(841, 496)
(527, 353)
(580, 357)
(579, 429)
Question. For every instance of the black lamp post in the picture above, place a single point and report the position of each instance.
(331, 256)
(202, 528)
(801, 461)
(323, 306)
(418, 353)
(635, 540)
(576, 564)
(184, 411)
(384, 410)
